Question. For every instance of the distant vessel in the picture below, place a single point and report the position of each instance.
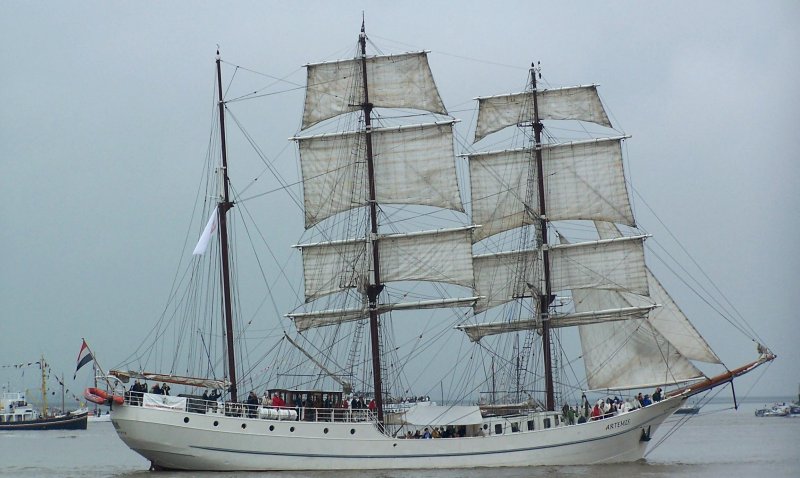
(688, 410)
(776, 410)
(632, 333)
(17, 414)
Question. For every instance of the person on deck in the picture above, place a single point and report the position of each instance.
(597, 413)
(657, 395)
(252, 404)
(277, 401)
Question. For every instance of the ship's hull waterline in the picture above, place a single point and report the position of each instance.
(191, 441)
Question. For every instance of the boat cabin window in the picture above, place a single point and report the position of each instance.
(498, 429)
(515, 427)
(547, 422)
(530, 425)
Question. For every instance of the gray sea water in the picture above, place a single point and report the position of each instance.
(718, 442)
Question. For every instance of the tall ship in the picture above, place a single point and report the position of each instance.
(423, 268)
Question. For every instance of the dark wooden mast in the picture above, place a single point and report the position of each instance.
(375, 288)
(222, 210)
(544, 299)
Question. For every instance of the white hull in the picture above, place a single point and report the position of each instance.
(181, 440)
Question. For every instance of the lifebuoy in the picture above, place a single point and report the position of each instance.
(89, 394)
(94, 394)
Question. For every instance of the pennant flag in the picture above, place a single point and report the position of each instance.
(84, 357)
(205, 237)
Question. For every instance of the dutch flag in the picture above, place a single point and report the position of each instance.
(84, 357)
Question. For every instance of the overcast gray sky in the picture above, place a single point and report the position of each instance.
(105, 124)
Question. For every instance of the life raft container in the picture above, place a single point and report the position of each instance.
(101, 397)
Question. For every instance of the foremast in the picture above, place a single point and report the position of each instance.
(223, 206)
(544, 299)
(374, 289)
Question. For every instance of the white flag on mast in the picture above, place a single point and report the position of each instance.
(205, 237)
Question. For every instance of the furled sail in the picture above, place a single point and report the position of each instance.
(395, 81)
(443, 255)
(478, 331)
(413, 165)
(307, 320)
(573, 103)
(613, 264)
(585, 180)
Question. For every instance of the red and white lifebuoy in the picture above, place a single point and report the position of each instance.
(101, 397)
(91, 394)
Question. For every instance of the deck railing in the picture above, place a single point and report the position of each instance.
(192, 404)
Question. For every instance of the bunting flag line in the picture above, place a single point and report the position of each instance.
(84, 357)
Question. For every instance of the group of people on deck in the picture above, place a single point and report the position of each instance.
(138, 389)
(436, 432)
(609, 407)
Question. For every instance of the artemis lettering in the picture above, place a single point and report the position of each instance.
(618, 424)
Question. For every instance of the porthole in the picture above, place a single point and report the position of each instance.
(244, 425)
(272, 428)
(325, 431)
(216, 423)
(485, 426)
(291, 429)
(185, 419)
(352, 431)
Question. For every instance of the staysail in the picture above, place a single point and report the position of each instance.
(639, 353)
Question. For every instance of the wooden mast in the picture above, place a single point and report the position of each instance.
(374, 289)
(222, 211)
(44, 387)
(544, 300)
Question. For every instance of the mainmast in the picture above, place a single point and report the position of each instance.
(222, 210)
(544, 299)
(374, 289)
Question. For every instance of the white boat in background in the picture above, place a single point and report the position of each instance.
(100, 417)
(688, 409)
(776, 410)
(498, 274)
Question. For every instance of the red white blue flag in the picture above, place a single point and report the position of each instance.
(84, 357)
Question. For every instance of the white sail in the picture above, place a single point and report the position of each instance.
(443, 255)
(413, 165)
(615, 264)
(668, 320)
(585, 180)
(307, 320)
(574, 103)
(479, 331)
(628, 353)
(501, 277)
(611, 264)
(395, 81)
